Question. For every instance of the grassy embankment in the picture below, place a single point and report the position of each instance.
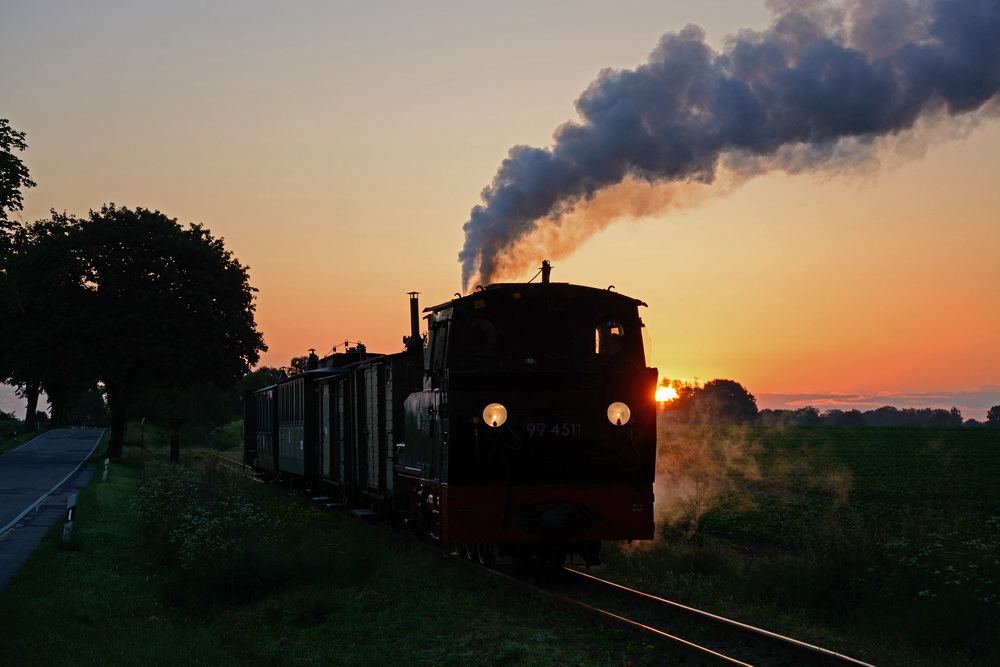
(882, 543)
(173, 565)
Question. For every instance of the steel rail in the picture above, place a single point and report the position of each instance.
(234, 466)
(687, 651)
(802, 652)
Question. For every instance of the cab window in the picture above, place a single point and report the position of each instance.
(479, 339)
(609, 337)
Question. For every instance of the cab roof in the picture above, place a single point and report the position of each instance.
(554, 289)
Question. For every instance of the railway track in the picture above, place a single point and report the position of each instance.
(687, 635)
(235, 466)
(737, 642)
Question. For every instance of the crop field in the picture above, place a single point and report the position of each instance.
(883, 542)
(807, 478)
(892, 463)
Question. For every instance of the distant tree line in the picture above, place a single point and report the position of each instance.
(884, 416)
(728, 402)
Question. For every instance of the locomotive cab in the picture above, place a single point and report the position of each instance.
(536, 422)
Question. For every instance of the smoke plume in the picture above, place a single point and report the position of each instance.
(822, 88)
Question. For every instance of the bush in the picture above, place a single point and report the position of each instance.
(212, 538)
(9, 428)
(226, 436)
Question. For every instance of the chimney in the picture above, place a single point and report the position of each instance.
(546, 271)
(414, 343)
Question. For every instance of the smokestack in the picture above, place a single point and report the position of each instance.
(414, 341)
(546, 271)
(815, 90)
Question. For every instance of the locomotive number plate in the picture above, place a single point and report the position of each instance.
(559, 429)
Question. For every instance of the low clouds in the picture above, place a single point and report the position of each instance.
(973, 404)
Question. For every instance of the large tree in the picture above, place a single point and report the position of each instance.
(13, 174)
(174, 306)
(44, 316)
(726, 402)
(146, 304)
(13, 178)
(717, 402)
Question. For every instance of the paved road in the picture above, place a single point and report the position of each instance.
(36, 480)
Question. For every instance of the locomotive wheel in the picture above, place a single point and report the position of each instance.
(486, 553)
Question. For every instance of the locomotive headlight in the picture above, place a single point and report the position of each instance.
(618, 413)
(495, 415)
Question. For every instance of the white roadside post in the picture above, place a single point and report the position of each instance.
(70, 515)
(107, 464)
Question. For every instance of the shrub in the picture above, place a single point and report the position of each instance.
(226, 436)
(213, 539)
(9, 428)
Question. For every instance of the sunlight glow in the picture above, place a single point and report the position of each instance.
(664, 394)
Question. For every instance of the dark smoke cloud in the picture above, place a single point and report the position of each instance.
(817, 89)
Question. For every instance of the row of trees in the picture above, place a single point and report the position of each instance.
(728, 402)
(124, 299)
(884, 416)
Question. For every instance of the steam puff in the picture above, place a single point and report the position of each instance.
(816, 88)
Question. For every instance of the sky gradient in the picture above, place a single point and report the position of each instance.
(340, 147)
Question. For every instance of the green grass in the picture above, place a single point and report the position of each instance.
(9, 441)
(123, 593)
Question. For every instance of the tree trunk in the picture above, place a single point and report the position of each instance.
(118, 405)
(31, 392)
(57, 408)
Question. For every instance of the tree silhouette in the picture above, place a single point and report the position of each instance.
(258, 379)
(717, 402)
(725, 402)
(45, 317)
(13, 178)
(140, 303)
(13, 174)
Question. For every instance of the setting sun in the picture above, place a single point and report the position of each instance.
(664, 394)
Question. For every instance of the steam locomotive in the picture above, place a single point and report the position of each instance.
(521, 425)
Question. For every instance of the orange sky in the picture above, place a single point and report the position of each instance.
(339, 149)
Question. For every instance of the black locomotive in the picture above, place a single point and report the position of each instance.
(522, 424)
